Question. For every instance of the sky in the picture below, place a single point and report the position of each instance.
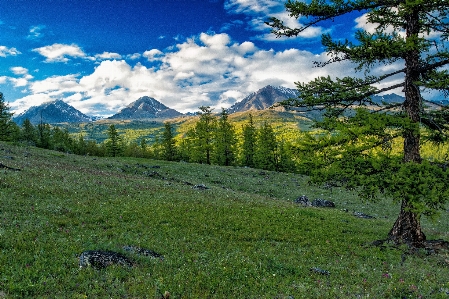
(101, 55)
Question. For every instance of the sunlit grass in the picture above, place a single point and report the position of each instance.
(242, 238)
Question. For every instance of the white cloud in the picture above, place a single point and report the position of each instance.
(133, 56)
(60, 52)
(208, 70)
(35, 32)
(18, 70)
(260, 10)
(25, 76)
(108, 55)
(252, 6)
(153, 54)
(5, 51)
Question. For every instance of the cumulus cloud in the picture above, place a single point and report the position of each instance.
(60, 52)
(108, 55)
(5, 51)
(23, 80)
(133, 56)
(209, 69)
(153, 54)
(18, 70)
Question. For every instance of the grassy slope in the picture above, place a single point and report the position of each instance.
(242, 238)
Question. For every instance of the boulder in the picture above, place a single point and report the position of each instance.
(323, 203)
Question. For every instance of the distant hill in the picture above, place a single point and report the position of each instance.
(146, 107)
(52, 113)
(263, 98)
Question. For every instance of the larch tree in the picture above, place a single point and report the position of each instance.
(114, 144)
(202, 136)
(6, 123)
(410, 42)
(265, 156)
(249, 143)
(169, 142)
(225, 141)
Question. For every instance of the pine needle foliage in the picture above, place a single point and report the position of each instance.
(354, 148)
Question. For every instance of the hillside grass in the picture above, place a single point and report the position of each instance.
(244, 237)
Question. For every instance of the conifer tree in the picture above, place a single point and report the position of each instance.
(202, 136)
(265, 156)
(28, 132)
(225, 141)
(6, 124)
(169, 143)
(44, 136)
(114, 142)
(410, 38)
(249, 143)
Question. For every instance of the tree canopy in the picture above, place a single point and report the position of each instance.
(410, 37)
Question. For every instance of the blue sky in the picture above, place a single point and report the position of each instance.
(101, 55)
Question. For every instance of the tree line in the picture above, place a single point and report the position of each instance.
(212, 140)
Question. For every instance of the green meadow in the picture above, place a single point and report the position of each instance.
(242, 237)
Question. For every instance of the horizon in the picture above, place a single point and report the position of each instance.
(100, 56)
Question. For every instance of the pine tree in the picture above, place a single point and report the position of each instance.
(28, 132)
(114, 142)
(169, 143)
(202, 136)
(6, 129)
(265, 156)
(44, 136)
(410, 38)
(225, 141)
(249, 143)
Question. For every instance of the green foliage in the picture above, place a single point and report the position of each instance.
(29, 134)
(410, 37)
(169, 143)
(225, 141)
(44, 136)
(202, 136)
(249, 143)
(114, 143)
(266, 148)
(6, 124)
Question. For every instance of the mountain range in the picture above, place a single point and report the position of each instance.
(149, 108)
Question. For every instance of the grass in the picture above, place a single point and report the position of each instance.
(244, 237)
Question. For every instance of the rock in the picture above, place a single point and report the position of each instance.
(323, 203)
(303, 200)
(320, 271)
(101, 259)
(362, 215)
(200, 187)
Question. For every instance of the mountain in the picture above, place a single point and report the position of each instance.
(52, 113)
(146, 107)
(263, 98)
(388, 98)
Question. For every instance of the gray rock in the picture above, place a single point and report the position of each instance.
(323, 203)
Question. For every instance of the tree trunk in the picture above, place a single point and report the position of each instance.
(407, 228)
